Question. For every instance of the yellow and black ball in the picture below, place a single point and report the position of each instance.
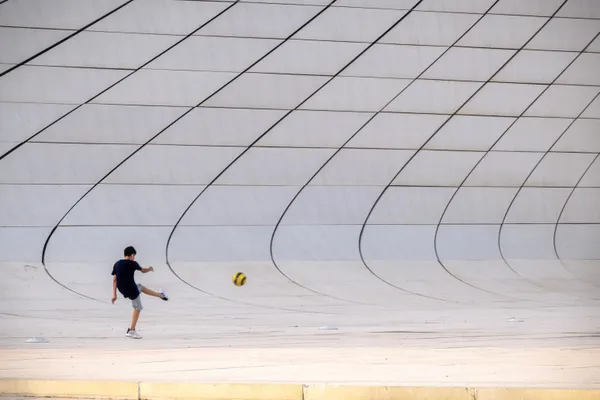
(239, 279)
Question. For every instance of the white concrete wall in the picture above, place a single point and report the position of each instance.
(465, 133)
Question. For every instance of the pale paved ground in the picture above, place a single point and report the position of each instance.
(266, 332)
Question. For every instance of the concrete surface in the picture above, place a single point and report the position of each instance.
(411, 187)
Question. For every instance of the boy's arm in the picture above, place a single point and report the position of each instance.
(114, 297)
(144, 270)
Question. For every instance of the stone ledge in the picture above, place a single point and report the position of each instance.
(266, 391)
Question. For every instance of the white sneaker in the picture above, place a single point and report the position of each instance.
(133, 334)
(164, 294)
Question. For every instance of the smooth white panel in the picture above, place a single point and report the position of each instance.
(71, 163)
(309, 57)
(394, 4)
(106, 50)
(527, 242)
(30, 42)
(362, 167)
(477, 205)
(503, 169)
(560, 169)
(56, 85)
(468, 64)
(220, 243)
(214, 54)
(356, 94)
(592, 177)
(583, 135)
(267, 91)
(96, 123)
(502, 99)
(537, 205)
(565, 34)
(532, 134)
(411, 205)
(322, 243)
(583, 71)
(106, 244)
(240, 205)
(502, 31)
(398, 242)
(350, 24)
(402, 131)
(260, 20)
(552, 103)
(173, 88)
(528, 7)
(583, 207)
(22, 244)
(443, 97)
(427, 28)
(327, 205)
(219, 126)
(578, 242)
(314, 128)
(51, 13)
(161, 16)
(393, 61)
(580, 9)
(466, 6)
(438, 168)
(275, 166)
(464, 242)
(533, 66)
(158, 164)
(18, 121)
(469, 133)
(138, 205)
(36, 205)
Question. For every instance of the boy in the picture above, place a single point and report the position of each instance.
(123, 272)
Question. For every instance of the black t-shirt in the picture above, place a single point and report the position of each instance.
(124, 270)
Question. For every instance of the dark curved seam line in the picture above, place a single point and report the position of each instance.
(77, 32)
(425, 144)
(97, 183)
(516, 195)
(117, 82)
(272, 239)
(558, 222)
(483, 157)
(190, 109)
(362, 229)
(274, 125)
(265, 133)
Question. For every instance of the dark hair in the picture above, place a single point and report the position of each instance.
(129, 251)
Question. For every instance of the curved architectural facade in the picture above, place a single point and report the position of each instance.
(347, 150)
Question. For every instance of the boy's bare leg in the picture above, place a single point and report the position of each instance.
(134, 318)
(150, 292)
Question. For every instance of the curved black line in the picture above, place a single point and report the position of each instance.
(273, 126)
(429, 139)
(361, 234)
(525, 181)
(118, 165)
(344, 145)
(150, 140)
(118, 81)
(558, 222)
(75, 33)
(502, 223)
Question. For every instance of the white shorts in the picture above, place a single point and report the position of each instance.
(137, 302)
